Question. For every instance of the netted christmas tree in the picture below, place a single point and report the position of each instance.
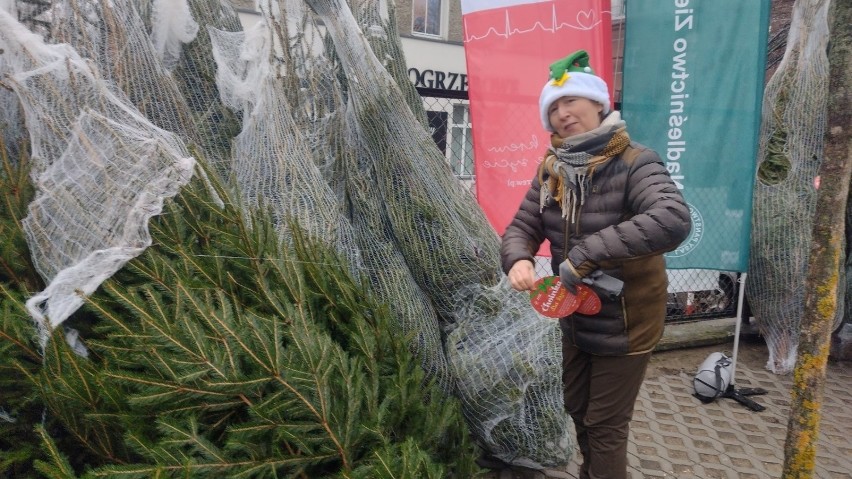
(308, 133)
(259, 360)
(791, 143)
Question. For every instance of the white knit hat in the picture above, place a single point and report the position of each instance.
(572, 76)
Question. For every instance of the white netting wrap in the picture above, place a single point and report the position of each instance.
(310, 116)
(183, 46)
(24, 51)
(101, 170)
(108, 226)
(114, 36)
(172, 26)
(377, 20)
(12, 130)
(448, 243)
(452, 253)
(273, 165)
(195, 74)
(35, 14)
(508, 358)
(791, 139)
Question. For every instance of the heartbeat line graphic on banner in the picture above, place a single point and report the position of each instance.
(585, 20)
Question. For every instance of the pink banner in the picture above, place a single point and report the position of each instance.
(509, 46)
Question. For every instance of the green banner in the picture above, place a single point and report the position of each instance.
(693, 86)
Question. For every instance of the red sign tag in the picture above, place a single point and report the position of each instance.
(549, 298)
(590, 303)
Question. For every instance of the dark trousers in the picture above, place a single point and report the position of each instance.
(599, 394)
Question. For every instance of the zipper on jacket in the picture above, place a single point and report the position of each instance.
(567, 233)
(565, 247)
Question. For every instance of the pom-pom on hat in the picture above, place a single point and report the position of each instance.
(572, 76)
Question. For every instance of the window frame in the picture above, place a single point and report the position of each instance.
(465, 129)
(442, 20)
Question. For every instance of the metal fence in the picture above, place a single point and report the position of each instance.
(693, 294)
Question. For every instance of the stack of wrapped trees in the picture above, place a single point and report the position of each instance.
(244, 256)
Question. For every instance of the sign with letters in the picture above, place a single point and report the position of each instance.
(437, 79)
(693, 88)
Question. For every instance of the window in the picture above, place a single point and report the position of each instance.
(617, 9)
(461, 143)
(426, 17)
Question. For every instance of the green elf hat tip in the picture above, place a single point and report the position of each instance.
(575, 62)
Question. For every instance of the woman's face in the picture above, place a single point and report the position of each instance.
(572, 115)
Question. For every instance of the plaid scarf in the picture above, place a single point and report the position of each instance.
(567, 169)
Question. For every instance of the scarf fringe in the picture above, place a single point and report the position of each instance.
(565, 175)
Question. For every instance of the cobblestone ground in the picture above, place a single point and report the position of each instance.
(674, 435)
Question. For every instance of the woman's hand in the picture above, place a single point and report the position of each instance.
(522, 275)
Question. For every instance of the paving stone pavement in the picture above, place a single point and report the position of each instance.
(674, 435)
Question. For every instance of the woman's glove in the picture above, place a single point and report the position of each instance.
(569, 276)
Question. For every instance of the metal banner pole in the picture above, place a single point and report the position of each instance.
(740, 301)
(740, 395)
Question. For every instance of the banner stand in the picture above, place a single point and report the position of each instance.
(741, 395)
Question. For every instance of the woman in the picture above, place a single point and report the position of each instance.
(605, 203)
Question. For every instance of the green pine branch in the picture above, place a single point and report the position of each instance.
(224, 352)
(57, 465)
(17, 191)
(20, 357)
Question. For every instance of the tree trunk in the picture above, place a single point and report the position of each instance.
(826, 251)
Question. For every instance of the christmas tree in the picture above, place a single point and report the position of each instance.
(219, 352)
(334, 242)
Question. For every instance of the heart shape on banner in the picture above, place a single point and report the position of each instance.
(587, 20)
